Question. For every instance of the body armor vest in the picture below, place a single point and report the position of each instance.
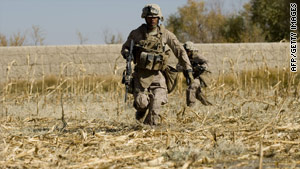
(150, 53)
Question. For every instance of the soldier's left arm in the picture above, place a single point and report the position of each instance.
(179, 68)
(178, 50)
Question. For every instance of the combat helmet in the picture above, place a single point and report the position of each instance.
(189, 46)
(152, 10)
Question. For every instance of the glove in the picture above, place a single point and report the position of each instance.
(189, 76)
(125, 53)
(205, 66)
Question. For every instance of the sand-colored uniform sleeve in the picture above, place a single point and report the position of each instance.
(135, 35)
(126, 45)
(200, 59)
(177, 49)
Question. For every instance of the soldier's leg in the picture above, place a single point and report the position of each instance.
(200, 96)
(157, 97)
(141, 102)
(191, 93)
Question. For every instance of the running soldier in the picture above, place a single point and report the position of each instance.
(199, 65)
(152, 45)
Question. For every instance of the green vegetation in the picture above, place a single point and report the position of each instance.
(273, 17)
(202, 22)
(259, 21)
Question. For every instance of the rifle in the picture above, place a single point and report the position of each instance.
(127, 77)
(198, 69)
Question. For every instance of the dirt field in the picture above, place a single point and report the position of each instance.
(243, 129)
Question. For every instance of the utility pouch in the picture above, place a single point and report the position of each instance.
(158, 62)
(171, 75)
(146, 61)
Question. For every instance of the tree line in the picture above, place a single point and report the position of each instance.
(258, 21)
(36, 36)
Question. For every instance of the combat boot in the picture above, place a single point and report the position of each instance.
(152, 119)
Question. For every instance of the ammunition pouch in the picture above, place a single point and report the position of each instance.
(150, 61)
(151, 53)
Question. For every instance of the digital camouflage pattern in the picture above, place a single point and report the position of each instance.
(150, 89)
(194, 92)
(152, 10)
(189, 46)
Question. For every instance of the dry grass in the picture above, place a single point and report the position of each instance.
(264, 77)
(254, 121)
(49, 83)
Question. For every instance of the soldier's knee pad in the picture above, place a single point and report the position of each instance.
(141, 101)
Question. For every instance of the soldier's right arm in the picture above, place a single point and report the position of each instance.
(126, 46)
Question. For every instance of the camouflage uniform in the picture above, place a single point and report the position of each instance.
(194, 92)
(150, 91)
